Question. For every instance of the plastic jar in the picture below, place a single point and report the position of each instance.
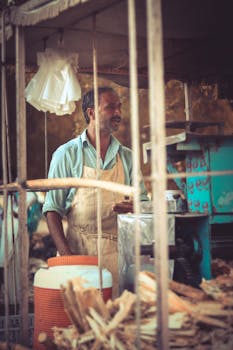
(48, 304)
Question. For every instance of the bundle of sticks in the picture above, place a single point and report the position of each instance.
(198, 318)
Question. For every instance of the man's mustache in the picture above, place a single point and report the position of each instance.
(116, 118)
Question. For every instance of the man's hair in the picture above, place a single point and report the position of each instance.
(89, 99)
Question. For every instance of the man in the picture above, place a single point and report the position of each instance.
(77, 158)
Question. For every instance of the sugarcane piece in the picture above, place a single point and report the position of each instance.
(92, 298)
(44, 339)
(213, 308)
(127, 302)
(188, 291)
(209, 320)
(76, 307)
(85, 337)
(71, 311)
(65, 338)
(112, 325)
(220, 267)
(147, 290)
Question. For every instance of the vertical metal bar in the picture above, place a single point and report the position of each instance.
(45, 130)
(186, 101)
(22, 176)
(97, 133)
(135, 146)
(8, 202)
(45, 144)
(9, 168)
(4, 169)
(158, 163)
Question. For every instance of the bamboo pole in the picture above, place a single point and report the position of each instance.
(47, 184)
(68, 182)
(135, 147)
(22, 175)
(97, 133)
(158, 163)
(4, 169)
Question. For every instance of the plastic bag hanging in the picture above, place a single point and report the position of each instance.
(55, 87)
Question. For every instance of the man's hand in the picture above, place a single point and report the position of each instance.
(123, 207)
(54, 222)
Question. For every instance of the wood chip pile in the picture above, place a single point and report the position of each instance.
(200, 319)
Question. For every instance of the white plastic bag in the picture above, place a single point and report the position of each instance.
(55, 87)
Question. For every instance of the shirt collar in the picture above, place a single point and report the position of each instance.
(114, 142)
(84, 137)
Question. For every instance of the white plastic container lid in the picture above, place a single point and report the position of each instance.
(55, 276)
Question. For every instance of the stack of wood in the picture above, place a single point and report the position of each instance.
(198, 318)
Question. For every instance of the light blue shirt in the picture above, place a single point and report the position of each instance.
(68, 161)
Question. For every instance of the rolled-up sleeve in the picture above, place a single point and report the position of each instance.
(59, 200)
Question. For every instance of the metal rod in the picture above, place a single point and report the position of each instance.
(4, 169)
(158, 164)
(135, 147)
(9, 228)
(97, 134)
(45, 130)
(14, 267)
(186, 101)
(101, 70)
(193, 174)
(22, 175)
(8, 138)
(46, 144)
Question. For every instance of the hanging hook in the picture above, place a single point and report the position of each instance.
(45, 39)
(61, 37)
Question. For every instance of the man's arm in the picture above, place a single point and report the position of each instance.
(54, 222)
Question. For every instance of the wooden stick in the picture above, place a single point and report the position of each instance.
(21, 175)
(69, 182)
(13, 186)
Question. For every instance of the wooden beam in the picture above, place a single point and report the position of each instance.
(4, 177)
(22, 176)
(134, 107)
(158, 163)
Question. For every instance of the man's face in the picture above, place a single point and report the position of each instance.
(109, 112)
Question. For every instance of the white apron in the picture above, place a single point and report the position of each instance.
(82, 220)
